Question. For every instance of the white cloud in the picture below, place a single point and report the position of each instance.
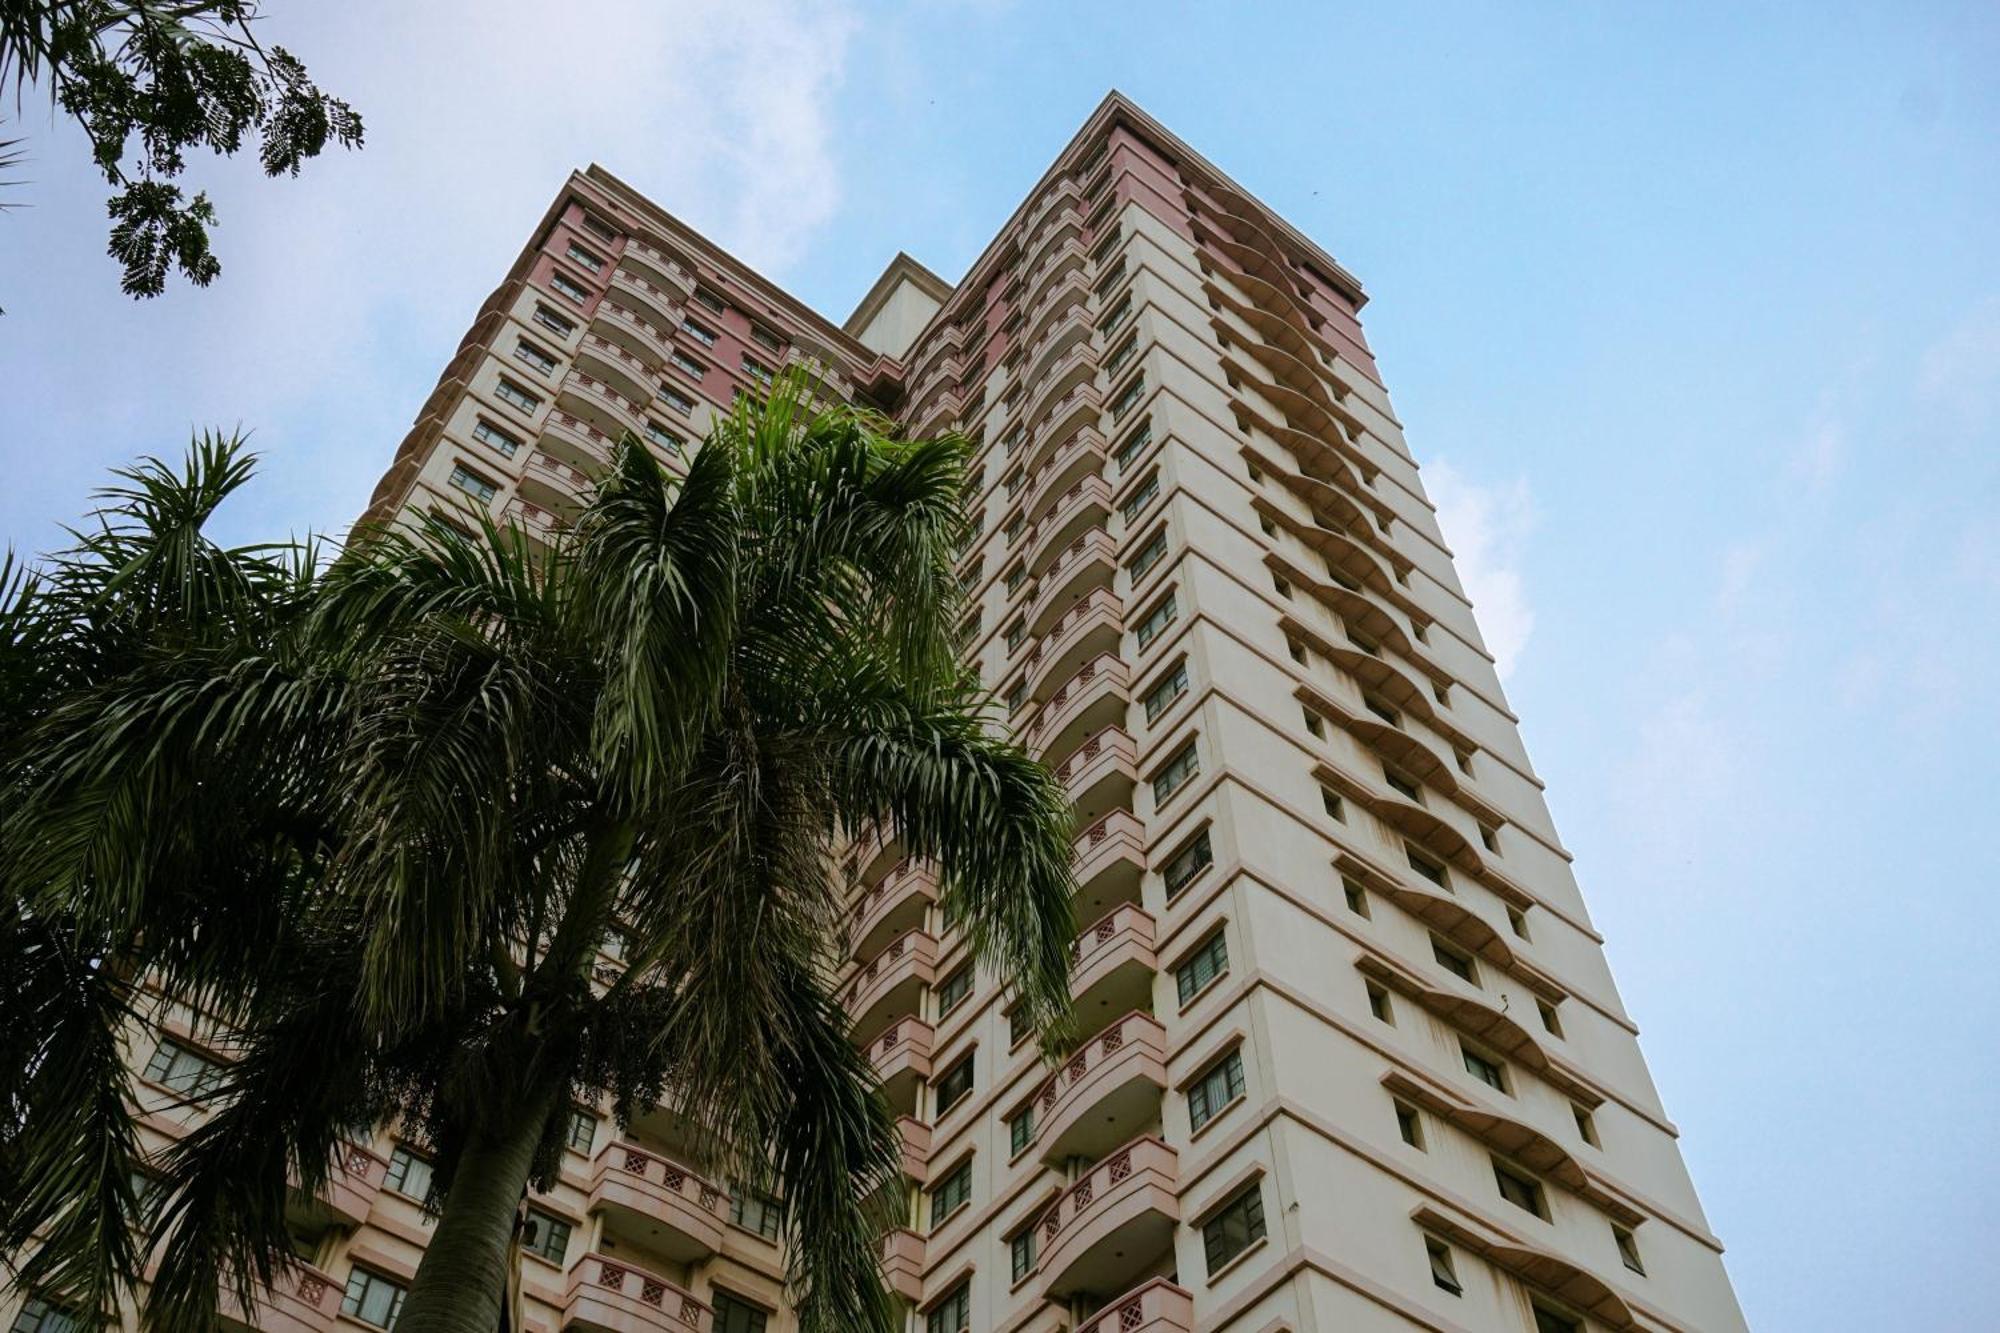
(1487, 529)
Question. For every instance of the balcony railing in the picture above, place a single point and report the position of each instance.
(1157, 1307)
(1107, 1091)
(619, 1297)
(662, 1192)
(1114, 1224)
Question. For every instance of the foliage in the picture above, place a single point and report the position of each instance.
(381, 816)
(149, 81)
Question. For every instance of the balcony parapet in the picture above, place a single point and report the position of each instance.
(1114, 1224)
(903, 1263)
(895, 904)
(641, 1181)
(1157, 1307)
(1107, 1090)
(617, 1297)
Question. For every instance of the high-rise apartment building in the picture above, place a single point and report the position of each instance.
(1350, 1055)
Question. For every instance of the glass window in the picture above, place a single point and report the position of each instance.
(1429, 867)
(754, 1210)
(1116, 361)
(951, 1194)
(1523, 1191)
(409, 1174)
(1628, 1248)
(955, 1086)
(766, 338)
(1182, 769)
(489, 434)
(735, 1315)
(1135, 504)
(372, 1298)
(509, 392)
(1586, 1125)
(663, 437)
(183, 1069)
(1129, 399)
(953, 1314)
(1549, 1321)
(584, 257)
(1170, 687)
(1021, 1254)
(1409, 790)
(757, 370)
(1551, 1022)
(954, 990)
(711, 300)
(582, 1130)
(688, 366)
(1182, 867)
(1018, 1030)
(1217, 1088)
(1149, 555)
(573, 290)
(553, 322)
(40, 1316)
(701, 333)
(529, 354)
(545, 1235)
(1357, 897)
(600, 227)
(1487, 1071)
(1235, 1229)
(464, 479)
(1118, 316)
(1207, 963)
(1409, 1125)
(1021, 1129)
(680, 402)
(1454, 960)
(1134, 445)
(1442, 1273)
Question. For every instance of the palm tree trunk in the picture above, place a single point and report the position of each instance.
(462, 1279)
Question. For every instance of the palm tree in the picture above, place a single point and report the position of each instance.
(380, 817)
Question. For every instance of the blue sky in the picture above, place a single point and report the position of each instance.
(1693, 318)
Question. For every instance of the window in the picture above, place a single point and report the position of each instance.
(582, 256)
(509, 392)
(1149, 555)
(767, 339)
(953, 992)
(1017, 696)
(1373, 703)
(735, 1315)
(1519, 1189)
(1018, 1029)
(410, 1174)
(1378, 1004)
(464, 479)
(1454, 960)
(1207, 963)
(183, 1069)
(1015, 578)
(600, 228)
(1517, 921)
(1129, 399)
(1551, 1021)
(1221, 1085)
(1182, 769)
(1017, 633)
(1021, 1129)
(39, 1316)
(553, 322)
(1281, 587)
(546, 1236)
(1405, 788)
(1136, 503)
(1134, 445)
(953, 1314)
(1628, 1248)
(529, 354)
(1170, 687)
(1161, 616)
(955, 1086)
(663, 437)
(372, 1298)
(1487, 1070)
(1463, 758)
(1409, 1125)
(1429, 867)
(1314, 727)
(1021, 1254)
(1235, 1229)
(1115, 318)
(1489, 838)
(582, 1130)
(688, 366)
(504, 442)
(1442, 1274)
(1014, 529)
(1182, 867)
(1552, 1321)
(951, 1194)
(1586, 1125)
(757, 370)
(1298, 651)
(1357, 897)
(1329, 801)
(680, 402)
(1110, 280)
(1363, 642)
(701, 333)
(754, 1210)
(569, 288)
(1116, 361)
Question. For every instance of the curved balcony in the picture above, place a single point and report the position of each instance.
(1328, 461)
(663, 304)
(896, 904)
(1067, 371)
(351, 1187)
(1406, 751)
(902, 1059)
(1112, 965)
(302, 1300)
(555, 485)
(1086, 564)
(1415, 822)
(618, 368)
(603, 406)
(1308, 410)
(1091, 628)
(664, 269)
(1382, 677)
(903, 1264)
(636, 333)
(1106, 1093)
(644, 1194)
(1157, 1307)
(1085, 505)
(1356, 610)
(1081, 454)
(915, 1137)
(891, 984)
(612, 1296)
(1114, 1225)
(1100, 774)
(1092, 699)
(1078, 408)
(1057, 259)
(1109, 863)
(1061, 193)
(532, 519)
(575, 441)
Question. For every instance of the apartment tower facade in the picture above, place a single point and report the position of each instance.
(1350, 1053)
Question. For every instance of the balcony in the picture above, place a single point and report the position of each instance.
(1067, 371)
(1112, 965)
(1105, 1094)
(620, 369)
(1078, 408)
(1115, 1225)
(902, 1059)
(1080, 455)
(1056, 261)
(644, 1194)
(553, 484)
(612, 1296)
(891, 984)
(915, 1137)
(1091, 628)
(354, 1182)
(603, 406)
(575, 441)
(1100, 774)
(636, 333)
(663, 269)
(1157, 1307)
(1076, 511)
(532, 519)
(648, 296)
(1087, 563)
(896, 904)
(1061, 193)
(303, 1300)
(903, 1264)
(1109, 864)
(1094, 698)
